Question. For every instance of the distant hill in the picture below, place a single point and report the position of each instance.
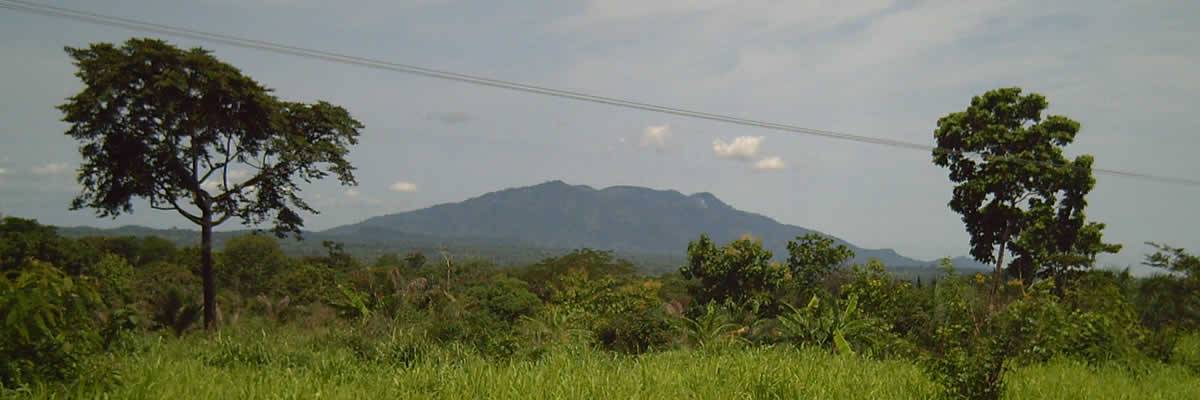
(626, 219)
(522, 225)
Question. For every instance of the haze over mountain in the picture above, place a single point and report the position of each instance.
(626, 219)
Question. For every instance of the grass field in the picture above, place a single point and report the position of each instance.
(288, 364)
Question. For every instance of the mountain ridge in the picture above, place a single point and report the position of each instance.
(623, 218)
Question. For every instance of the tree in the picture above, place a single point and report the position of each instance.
(741, 272)
(415, 260)
(248, 263)
(1012, 182)
(1174, 259)
(24, 239)
(812, 257)
(188, 133)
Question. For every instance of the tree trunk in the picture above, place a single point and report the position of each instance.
(1000, 263)
(206, 272)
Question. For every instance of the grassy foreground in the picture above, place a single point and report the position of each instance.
(331, 365)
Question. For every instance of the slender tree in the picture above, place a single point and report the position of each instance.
(188, 133)
(1014, 188)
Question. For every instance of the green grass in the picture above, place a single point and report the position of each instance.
(287, 364)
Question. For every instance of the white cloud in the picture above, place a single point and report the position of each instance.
(743, 148)
(51, 169)
(353, 193)
(3, 171)
(403, 187)
(770, 164)
(656, 136)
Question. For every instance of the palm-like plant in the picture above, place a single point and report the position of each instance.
(827, 327)
(712, 327)
(554, 327)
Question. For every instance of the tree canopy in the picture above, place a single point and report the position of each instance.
(189, 133)
(1014, 187)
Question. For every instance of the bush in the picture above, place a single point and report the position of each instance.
(832, 328)
(885, 298)
(637, 332)
(176, 311)
(964, 360)
(46, 324)
(1187, 352)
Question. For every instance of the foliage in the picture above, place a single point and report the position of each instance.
(1174, 259)
(175, 311)
(712, 328)
(414, 260)
(740, 273)
(1187, 352)
(248, 262)
(1014, 187)
(603, 297)
(22, 239)
(46, 323)
(546, 276)
(885, 298)
(965, 361)
(114, 278)
(827, 327)
(353, 304)
(305, 283)
(637, 332)
(180, 128)
(812, 257)
(138, 251)
(554, 327)
(506, 299)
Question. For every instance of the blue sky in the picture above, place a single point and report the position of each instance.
(1125, 70)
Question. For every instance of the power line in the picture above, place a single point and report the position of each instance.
(127, 23)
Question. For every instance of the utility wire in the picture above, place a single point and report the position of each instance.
(127, 23)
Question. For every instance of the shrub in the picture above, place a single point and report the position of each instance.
(1187, 352)
(713, 327)
(554, 327)
(839, 330)
(885, 298)
(46, 323)
(636, 332)
(175, 311)
(964, 360)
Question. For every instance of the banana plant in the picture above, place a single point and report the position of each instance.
(828, 327)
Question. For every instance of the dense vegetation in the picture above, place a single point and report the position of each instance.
(120, 316)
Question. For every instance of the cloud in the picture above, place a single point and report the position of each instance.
(770, 164)
(3, 171)
(51, 169)
(450, 117)
(353, 193)
(403, 187)
(743, 148)
(656, 136)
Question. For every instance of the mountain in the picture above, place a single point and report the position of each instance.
(626, 219)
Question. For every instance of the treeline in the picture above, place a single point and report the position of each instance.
(66, 301)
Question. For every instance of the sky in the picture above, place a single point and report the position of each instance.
(1125, 70)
